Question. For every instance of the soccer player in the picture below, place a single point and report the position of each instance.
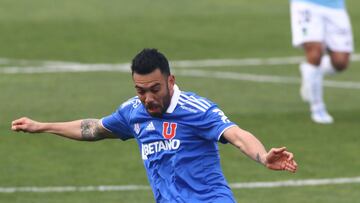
(177, 133)
(322, 28)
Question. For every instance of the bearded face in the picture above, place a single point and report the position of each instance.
(155, 91)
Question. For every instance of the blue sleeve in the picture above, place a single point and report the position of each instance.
(118, 124)
(213, 124)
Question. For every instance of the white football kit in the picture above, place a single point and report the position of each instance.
(321, 21)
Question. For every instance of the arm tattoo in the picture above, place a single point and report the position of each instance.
(90, 130)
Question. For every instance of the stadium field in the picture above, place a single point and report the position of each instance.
(42, 40)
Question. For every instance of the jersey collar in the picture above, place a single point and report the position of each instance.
(174, 99)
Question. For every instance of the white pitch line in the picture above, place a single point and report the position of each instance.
(194, 63)
(248, 185)
(236, 62)
(263, 78)
(238, 76)
(58, 66)
(101, 188)
(297, 183)
(245, 62)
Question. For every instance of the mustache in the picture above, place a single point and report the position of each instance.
(152, 105)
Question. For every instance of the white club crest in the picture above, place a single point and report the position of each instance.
(137, 128)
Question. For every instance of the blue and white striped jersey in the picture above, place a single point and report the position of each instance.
(179, 150)
(338, 4)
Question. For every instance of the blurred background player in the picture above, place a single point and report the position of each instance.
(322, 28)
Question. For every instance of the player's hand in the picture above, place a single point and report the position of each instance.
(25, 125)
(280, 159)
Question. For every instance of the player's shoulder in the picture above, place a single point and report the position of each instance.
(130, 104)
(192, 102)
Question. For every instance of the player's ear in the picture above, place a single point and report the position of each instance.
(171, 81)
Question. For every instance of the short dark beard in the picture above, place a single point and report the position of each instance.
(166, 103)
(166, 100)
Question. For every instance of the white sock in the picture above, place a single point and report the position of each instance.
(326, 66)
(314, 79)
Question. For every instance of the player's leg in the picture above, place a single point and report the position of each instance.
(334, 62)
(339, 60)
(308, 32)
(310, 68)
(339, 41)
(312, 82)
(304, 20)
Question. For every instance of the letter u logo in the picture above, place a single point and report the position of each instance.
(169, 134)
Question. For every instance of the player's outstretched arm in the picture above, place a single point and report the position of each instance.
(275, 159)
(84, 130)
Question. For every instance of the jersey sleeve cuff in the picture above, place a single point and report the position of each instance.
(102, 124)
(222, 132)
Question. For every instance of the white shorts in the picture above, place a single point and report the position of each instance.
(314, 23)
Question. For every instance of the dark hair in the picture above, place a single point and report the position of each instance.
(149, 60)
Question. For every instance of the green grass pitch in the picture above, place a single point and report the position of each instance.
(95, 31)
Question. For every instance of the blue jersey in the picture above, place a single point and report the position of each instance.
(338, 4)
(179, 150)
